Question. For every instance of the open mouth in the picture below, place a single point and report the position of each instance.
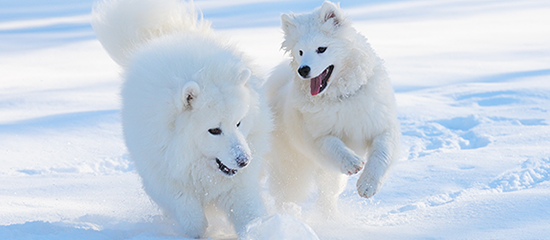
(225, 169)
(319, 83)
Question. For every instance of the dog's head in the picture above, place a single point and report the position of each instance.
(215, 116)
(321, 45)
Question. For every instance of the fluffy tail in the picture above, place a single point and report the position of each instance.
(279, 77)
(122, 26)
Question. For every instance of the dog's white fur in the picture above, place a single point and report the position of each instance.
(180, 82)
(324, 138)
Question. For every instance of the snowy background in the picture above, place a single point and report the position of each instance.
(472, 82)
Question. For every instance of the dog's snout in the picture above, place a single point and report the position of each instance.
(242, 156)
(304, 71)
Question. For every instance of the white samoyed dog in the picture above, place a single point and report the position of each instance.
(334, 110)
(192, 118)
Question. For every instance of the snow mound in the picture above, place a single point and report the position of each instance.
(279, 227)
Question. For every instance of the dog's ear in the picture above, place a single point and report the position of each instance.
(244, 76)
(331, 12)
(189, 93)
(287, 23)
(289, 28)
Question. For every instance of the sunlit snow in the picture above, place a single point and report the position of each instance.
(472, 87)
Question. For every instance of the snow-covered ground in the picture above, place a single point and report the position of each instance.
(472, 81)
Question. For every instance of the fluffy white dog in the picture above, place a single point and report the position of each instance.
(334, 111)
(193, 120)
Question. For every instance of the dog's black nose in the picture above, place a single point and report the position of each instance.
(304, 71)
(242, 161)
(242, 164)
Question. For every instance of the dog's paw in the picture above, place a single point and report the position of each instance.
(367, 185)
(352, 165)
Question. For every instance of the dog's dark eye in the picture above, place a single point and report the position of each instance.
(301, 52)
(321, 49)
(215, 131)
(238, 124)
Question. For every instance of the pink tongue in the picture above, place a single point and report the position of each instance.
(315, 85)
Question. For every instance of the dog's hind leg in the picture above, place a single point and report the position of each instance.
(290, 174)
(330, 185)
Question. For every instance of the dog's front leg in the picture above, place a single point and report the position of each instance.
(190, 215)
(244, 205)
(336, 152)
(382, 154)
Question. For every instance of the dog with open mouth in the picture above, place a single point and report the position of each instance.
(334, 111)
(193, 120)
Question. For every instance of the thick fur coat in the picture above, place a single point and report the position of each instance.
(193, 121)
(334, 108)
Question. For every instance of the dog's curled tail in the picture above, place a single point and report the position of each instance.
(122, 26)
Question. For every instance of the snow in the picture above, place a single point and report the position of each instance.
(277, 227)
(471, 81)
